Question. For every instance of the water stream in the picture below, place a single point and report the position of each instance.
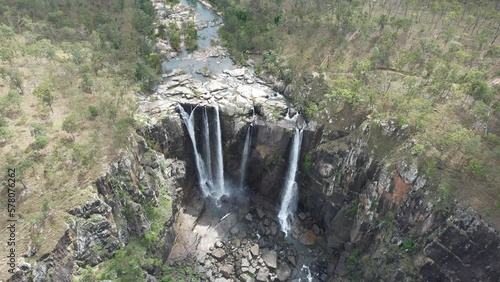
(200, 163)
(219, 161)
(205, 38)
(244, 159)
(210, 184)
(206, 144)
(290, 190)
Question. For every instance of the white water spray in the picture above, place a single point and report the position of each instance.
(290, 191)
(219, 177)
(309, 274)
(206, 144)
(200, 166)
(244, 159)
(288, 117)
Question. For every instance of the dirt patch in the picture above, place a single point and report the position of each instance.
(399, 190)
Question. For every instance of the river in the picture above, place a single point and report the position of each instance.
(185, 60)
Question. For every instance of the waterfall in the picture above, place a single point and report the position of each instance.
(211, 185)
(244, 159)
(288, 117)
(219, 177)
(206, 145)
(200, 166)
(290, 190)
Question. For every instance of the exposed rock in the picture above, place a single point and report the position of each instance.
(246, 278)
(226, 270)
(235, 72)
(248, 217)
(214, 85)
(408, 171)
(316, 229)
(341, 267)
(95, 207)
(308, 238)
(260, 213)
(255, 250)
(262, 274)
(162, 47)
(219, 244)
(219, 254)
(283, 272)
(325, 169)
(270, 257)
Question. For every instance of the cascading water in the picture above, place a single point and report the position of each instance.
(219, 177)
(290, 191)
(206, 145)
(211, 185)
(244, 159)
(200, 165)
(309, 276)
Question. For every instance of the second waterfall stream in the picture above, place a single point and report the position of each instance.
(290, 192)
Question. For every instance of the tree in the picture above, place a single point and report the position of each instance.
(190, 36)
(44, 93)
(382, 21)
(16, 80)
(69, 125)
(12, 98)
(41, 142)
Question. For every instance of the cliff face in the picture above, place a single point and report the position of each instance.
(380, 219)
(386, 221)
(135, 196)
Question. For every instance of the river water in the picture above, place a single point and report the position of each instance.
(206, 36)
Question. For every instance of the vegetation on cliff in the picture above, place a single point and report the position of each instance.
(68, 72)
(428, 69)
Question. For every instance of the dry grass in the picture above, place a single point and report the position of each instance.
(56, 181)
(306, 50)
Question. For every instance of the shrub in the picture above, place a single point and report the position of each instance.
(408, 245)
(475, 166)
(418, 149)
(308, 162)
(190, 36)
(93, 112)
(444, 190)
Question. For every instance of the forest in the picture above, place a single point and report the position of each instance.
(71, 72)
(68, 74)
(429, 67)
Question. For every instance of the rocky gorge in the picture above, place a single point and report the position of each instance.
(362, 216)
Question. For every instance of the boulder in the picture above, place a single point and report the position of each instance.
(270, 257)
(283, 272)
(214, 85)
(226, 270)
(407, 171)
(254, 250)
(246, 278)
(219, 254)
(263, 274)
(235, 72)
(308, 238)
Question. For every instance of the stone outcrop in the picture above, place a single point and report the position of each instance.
(116, 216)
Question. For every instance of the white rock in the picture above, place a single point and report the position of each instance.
(214, 85)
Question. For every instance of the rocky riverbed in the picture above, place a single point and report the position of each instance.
(243, 242)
